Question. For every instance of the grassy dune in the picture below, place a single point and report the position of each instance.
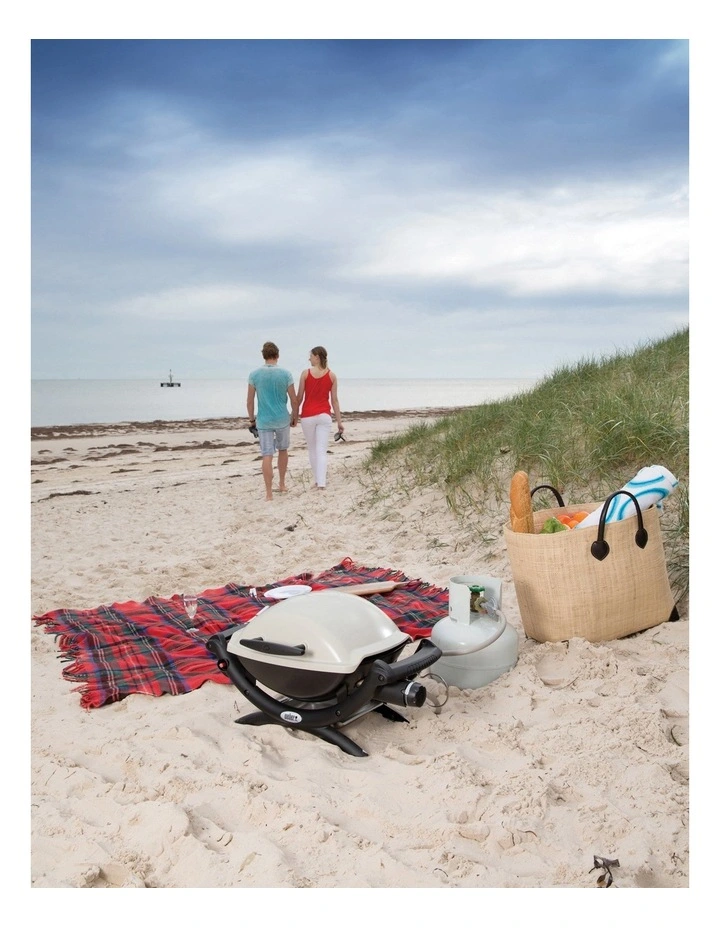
(586, 429)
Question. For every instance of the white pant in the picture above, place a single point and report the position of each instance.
(316, 430)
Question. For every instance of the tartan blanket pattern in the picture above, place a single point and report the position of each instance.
(151, 647)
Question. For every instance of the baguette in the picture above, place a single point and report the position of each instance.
(521, 518)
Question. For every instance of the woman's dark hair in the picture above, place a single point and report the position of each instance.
(320, 352)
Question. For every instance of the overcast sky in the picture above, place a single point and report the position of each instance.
(460, 208)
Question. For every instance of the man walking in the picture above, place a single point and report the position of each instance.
(273, 386)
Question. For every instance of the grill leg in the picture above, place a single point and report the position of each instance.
(256, 718)
(387, 713)
(331, 735)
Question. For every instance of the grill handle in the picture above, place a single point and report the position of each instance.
(273, 647)
(426, 654)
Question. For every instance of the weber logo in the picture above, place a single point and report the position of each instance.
(291, 717)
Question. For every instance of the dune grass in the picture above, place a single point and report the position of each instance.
(586, 429)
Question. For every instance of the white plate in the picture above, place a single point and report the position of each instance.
(285, 592)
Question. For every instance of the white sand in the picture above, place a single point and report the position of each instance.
(580, 750)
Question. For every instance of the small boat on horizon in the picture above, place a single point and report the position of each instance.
(170, 382)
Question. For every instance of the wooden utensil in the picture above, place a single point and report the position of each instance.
(363, 589)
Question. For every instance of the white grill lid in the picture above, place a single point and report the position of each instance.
(338, 630)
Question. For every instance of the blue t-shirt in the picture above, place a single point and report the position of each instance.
(271, 385)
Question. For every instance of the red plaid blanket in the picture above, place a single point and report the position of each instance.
(153, 648)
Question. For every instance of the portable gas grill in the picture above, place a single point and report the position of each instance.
(329, 658)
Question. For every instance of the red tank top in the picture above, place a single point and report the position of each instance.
(317, 395)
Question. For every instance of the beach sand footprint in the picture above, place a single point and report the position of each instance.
(558, 668)
(114, 875)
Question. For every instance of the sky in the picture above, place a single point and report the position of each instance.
(422, 208)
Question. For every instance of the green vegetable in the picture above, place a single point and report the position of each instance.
(553, 525)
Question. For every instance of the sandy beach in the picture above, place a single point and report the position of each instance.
(580, 750)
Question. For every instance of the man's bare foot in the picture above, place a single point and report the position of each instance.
(268, 498)
(282, 489)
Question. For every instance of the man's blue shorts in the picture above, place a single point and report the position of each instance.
(272, 440)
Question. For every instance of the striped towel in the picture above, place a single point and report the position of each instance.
(650, 486)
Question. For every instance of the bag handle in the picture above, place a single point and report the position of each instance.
(546, 486)
(600, 548)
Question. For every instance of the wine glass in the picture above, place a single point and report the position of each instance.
(190, 603)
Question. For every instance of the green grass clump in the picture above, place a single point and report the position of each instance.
(586, 429)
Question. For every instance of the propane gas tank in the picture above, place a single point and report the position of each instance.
(477, 643)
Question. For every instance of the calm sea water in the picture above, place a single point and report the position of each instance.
(81, 402)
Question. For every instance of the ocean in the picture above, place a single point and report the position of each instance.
(85, 402)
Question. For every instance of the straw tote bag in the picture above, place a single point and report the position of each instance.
(598, 583)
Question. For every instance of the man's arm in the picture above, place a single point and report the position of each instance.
(293, 403)
(251, 402)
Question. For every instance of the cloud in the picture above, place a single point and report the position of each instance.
(579, 238)
(373, 224)
(403, 198)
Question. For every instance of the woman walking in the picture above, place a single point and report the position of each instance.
(317, 392)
